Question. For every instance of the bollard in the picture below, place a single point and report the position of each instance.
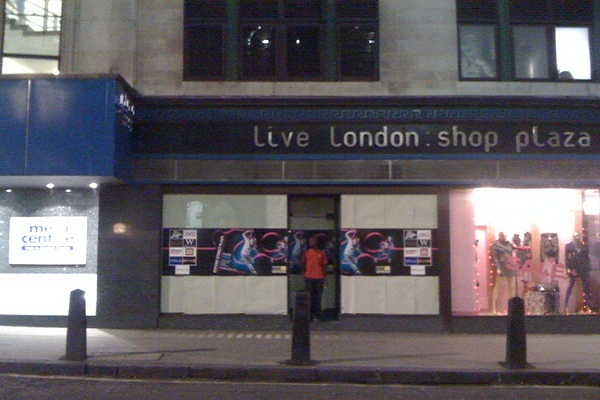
(76, 327)
(516, 342)
(301, 330)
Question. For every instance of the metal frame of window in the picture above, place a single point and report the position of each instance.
(547, 15)
(324, 16)
(541, 13)
(4, 20)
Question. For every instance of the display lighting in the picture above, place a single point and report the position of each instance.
(119, 228)
(476, 283)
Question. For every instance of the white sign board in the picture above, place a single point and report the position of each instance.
(47, 241)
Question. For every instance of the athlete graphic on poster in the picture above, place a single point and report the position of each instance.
(350, 253)
(247, 253)
(298, 245)
(386, 250)
(252, 252)
(280, 253)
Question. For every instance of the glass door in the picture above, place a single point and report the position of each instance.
(315, 216)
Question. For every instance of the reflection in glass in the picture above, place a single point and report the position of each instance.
(573, 53)
(258, 52)
(358, 51)
(531, 52)
(303, 52)
(477, 51)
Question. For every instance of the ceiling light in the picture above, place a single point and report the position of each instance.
(50, 185)
(93, 185)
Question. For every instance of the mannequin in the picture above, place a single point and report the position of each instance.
(505, 276)
(577, 261)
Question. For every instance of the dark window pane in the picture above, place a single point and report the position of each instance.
(204, 52)
(258, 59)
(259, 9)
(357, 9)
(307, 9)
(529, 11)
(358, 51)
(573, 12)
(205, 9)
(477, 11)
(303, 52)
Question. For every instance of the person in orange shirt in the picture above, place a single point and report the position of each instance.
(314, 261)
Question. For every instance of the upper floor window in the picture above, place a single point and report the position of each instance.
(281, 40)
(477, 33)
(525, 39)
(31, 36)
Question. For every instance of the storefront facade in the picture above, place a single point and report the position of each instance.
(451, 172)
(408, 196)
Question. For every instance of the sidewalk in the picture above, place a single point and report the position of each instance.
(391, 358)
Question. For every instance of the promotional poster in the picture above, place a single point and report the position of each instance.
(264, 252)
(387, 252)
(224, 251)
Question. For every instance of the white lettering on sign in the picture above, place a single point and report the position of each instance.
(551, 139)
(472, 139)
(275, 139)
(47, 241)
(453, 139)
(381, 138)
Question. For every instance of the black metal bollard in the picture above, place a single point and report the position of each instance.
(516, 342)
(301, 330)
(76, 327)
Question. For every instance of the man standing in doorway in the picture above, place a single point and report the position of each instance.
(314, 261)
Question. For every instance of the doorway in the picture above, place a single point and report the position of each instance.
(315, 216)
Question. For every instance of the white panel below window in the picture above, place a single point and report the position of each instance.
(45, 294)
(224, 295)
(390, 295)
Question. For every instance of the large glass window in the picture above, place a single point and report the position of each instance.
(257, 40)
(551, 39)
(31, 41)
(525, 39)
(542, 245)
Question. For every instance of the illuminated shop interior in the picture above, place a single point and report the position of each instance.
(529, 218)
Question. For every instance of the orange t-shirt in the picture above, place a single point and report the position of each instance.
(314, 260)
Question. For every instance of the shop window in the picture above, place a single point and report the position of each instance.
(31, 39)
(257, 40)
(224, 254)
(542, 245)
(547, 40)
